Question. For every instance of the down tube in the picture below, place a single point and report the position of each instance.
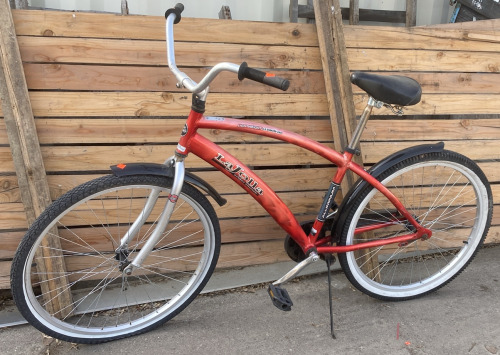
(256, 187)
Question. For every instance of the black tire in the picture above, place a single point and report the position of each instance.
(100, 302)
(447, 193)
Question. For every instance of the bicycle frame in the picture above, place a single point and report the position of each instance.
(192, 142)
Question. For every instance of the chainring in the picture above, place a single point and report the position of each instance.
(293, 250)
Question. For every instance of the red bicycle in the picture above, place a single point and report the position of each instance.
(137, 246)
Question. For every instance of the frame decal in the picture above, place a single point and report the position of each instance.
(328, 201)
(185, 130)
(238, 172)
(212, 118)
(259, 128)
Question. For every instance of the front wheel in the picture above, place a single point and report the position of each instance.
(446, 193)
(67, 276)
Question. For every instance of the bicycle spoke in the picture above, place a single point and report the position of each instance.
(440, 195)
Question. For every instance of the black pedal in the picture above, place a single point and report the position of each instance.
(280, 298)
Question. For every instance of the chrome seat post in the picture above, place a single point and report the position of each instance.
(356, 137)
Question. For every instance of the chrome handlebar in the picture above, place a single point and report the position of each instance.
(183, 80)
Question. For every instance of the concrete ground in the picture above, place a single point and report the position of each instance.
(461, 318)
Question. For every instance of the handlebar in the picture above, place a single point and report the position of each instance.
(173, 16)
(262, 77)
(177, 10)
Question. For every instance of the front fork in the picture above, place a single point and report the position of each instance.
(163, 220)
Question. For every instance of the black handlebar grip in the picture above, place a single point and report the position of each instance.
(177, 10)
(262, 77)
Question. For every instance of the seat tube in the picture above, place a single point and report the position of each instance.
(164, 219)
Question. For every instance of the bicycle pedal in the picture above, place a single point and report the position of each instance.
(280, 298)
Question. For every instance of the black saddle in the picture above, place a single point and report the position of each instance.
(390, 89)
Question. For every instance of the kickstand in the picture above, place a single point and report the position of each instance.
(328, 259)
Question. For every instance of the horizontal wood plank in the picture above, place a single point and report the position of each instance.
(140, 52)
(232, 255)
(423, 60)
(81, 24)
(68, 50)
(152, 130)
(232, 231)
(131, 104)
(98, 104)
(92, 158)
(280, 180)
(256, 253)
(431, 129)
(241, 205)
(68, 24)
(441, 104)
(101, 157)
(13, 217)
(77, 77)
(486, 25)
(9, 189)
(474, 149)
(136, 52)
(384, 37)
(142, 104)
(450, 83)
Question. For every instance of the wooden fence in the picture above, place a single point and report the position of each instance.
(101, 94)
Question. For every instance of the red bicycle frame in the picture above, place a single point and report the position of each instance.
(192, 142)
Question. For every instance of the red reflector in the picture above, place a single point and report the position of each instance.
(270, 75)
(121, 166)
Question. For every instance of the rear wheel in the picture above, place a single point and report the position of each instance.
(89, 299)
(448, 194)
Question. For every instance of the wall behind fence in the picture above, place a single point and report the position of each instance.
(102, 94)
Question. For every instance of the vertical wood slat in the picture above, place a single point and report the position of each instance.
(25, 148)
(411, 13)
(125, 10)
(354, 12)
(225, 13)
(338, 88)
(323, 12)
(294, 11)
(19, 4)
(337, 76)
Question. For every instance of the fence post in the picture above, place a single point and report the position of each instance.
(339, 92)
(411, 13)
(125, 10)
(225, 13)
(353, 12)
(25, 149)
(18, 4)
(336, 72)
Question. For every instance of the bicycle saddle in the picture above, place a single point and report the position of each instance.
(390, 89)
